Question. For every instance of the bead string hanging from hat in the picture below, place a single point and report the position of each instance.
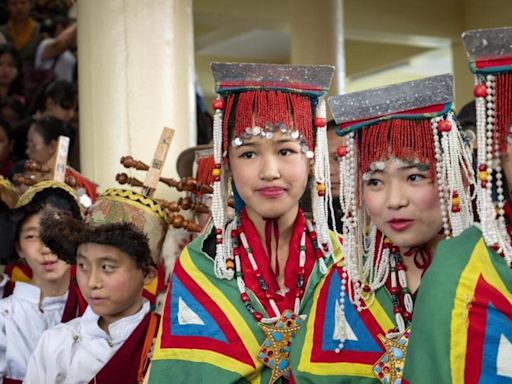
(395, 122)
(490, 59)
(265, 99)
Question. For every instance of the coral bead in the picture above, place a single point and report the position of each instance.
(444, 126)
(218, 104)
(480, 90)
(341, 151)
(245, 297)
(319, 122)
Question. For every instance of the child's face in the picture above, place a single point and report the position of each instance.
(110, 281)
(270, 175)
(45, 265)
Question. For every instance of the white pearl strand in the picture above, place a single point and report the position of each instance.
(218, 204)
(341, 299)
(350, 218)
(493, 228)
(440, 176)
(321, 204)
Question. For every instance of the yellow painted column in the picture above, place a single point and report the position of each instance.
(136, 75)
(316, 31)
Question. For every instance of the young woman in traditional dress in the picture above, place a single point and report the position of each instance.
(239, 291)
(405, 178)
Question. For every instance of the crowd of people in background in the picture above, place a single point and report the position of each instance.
(38, 78)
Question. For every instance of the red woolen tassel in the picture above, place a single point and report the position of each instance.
(225, 131)
(401, 138)
(257, 108)
(205, 167)
(503, 108)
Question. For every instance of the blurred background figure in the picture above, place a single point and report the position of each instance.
(22, 30)
(6, 147)
(55, 52)
(11, 84)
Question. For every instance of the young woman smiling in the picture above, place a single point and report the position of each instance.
(238, 292)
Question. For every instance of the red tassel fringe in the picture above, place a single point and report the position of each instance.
(503, 109)
(401, 138)
(257, 108)
(205, 167)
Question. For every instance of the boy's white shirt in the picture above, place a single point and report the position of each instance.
(76, 351)
(22, 322)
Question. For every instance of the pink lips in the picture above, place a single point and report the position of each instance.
(400, 225)
(49, 266)
(96, 300)
(271, 192)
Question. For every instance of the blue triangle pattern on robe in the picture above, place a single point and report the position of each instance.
(498, 328)
(365, 341)
(202, 323)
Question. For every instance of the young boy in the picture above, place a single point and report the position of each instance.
(111, 341)
(49, 297)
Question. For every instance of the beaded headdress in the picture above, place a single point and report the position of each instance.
(490, 59)
(260, 100)
(414, 121)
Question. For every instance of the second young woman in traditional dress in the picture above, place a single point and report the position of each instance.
(404, 187)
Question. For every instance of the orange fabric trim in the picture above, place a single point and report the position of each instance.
(148, 344)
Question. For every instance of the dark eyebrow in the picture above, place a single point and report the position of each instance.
(285, 141)
(417, 166)
(407, 167)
